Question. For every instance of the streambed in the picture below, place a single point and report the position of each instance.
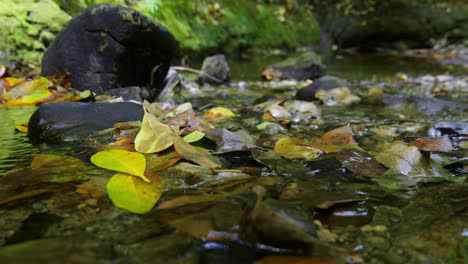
(356, 219)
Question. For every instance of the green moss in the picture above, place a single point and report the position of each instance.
(27, 28)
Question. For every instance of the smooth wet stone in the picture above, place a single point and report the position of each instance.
(217, 67)
(75, 121)
(323, 83)
(281, 223)
(448, 128)
(34, 227)
(425, 105)
(108, 46)
(307, 65)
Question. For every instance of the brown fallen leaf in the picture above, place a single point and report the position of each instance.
(338, 136)
(440, 144)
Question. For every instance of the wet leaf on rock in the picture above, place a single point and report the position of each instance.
(440, 144)
(198, 155)
(227, 141)
(337, 96)
(154, 136)
(133, 163)
(133, 194)
(400, 157)
(338, 136)
(218, 114)
(278, 112)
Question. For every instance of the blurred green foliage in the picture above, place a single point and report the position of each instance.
(230, 25)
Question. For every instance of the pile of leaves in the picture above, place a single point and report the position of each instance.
(36, 91)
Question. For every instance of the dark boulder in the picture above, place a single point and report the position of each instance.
(306, 66)
(76, 121)
(215, 66)
(108, 46)
(324, 83)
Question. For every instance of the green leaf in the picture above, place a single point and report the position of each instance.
(133, 194)
(122, 161)
(154, 136)
(194, 136)
(198, 155)
(400, 157)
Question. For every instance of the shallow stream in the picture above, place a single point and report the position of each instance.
(283, 210)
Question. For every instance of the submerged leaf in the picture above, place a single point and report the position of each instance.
(360, 163)
(154, 136)
(294, 148)
(133, 194)
(122, 161)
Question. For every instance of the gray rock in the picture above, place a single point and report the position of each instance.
(425, 105)
(217, 67)
(75, 121)
(108, 46)
(448, 128)
(133, 93)
(456, 61)
(323, 83)
(307, 65)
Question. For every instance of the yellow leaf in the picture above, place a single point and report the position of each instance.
(30, 99)
(154, 136)
(25, 88)
(198, 155)
(13, 81)
(294, 148)
(218, 114)
(194, 136)
(22, 127)
(133, 163)
(133, 194)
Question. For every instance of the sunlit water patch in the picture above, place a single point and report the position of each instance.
(15, 149)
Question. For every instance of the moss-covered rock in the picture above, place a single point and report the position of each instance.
(28, 27)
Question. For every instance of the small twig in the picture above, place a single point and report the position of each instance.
(180, 68)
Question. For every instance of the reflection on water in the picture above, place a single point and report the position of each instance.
(15, 149)
(350, 67)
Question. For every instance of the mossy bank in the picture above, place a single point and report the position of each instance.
(203, 26)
